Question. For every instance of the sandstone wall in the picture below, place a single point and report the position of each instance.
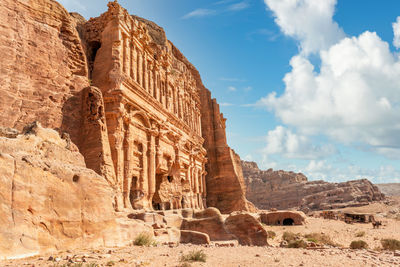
(286, 190)
(43, 66)
(51, 201)
(225, 183)
(142, 129)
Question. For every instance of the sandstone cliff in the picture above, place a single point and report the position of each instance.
(51, 201)
(43, 66)
(286, 190)
(51, 56)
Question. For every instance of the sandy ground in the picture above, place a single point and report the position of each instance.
(243, 256)
(217, 256)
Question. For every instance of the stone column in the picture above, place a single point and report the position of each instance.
(127, 166)
(124, 53)
(133, 61)
(145, 82)
(152, 169)
(139, 67)
(127, 56)
(144, 185)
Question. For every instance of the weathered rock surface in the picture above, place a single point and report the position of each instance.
(194, 237)
(50, 200)
(247, 229)
(225, 184)
(283, 217)
(144, 132)
(285, 190)
(43, 66)
(210, 222)
(392, 189)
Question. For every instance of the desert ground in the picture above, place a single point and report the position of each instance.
(217, 254)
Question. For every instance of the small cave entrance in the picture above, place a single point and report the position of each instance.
(92, 49)
(288, 221)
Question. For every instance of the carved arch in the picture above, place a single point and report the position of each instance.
(142, 115)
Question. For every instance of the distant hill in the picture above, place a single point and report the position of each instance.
(390, 189)
(289, 190)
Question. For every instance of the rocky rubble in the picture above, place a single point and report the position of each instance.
(286, 190)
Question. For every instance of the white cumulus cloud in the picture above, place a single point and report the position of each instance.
(284, 142)
(308, 21)
(354, 98)
(396, 31)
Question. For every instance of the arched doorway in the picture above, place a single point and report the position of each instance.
(288, 221)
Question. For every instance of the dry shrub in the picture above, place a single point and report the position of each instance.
(358, 244)
(271, 234)
(322, 239)
(297, 244)
(289, 236)
(390, 244)
(192, 256)
(144, 239)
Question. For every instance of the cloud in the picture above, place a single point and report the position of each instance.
(225, 104)
(223, 2)
(248, 88)
(321, 170)
(308, 21)
(232, 88)
(354, 98)
(284, 142)
(200, 12)
(238, 6)
(270, 35)
(396, 31)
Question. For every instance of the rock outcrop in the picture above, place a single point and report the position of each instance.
(139, 131)
(43, 66)
(51, 201)
(288, 190)
(147, 124)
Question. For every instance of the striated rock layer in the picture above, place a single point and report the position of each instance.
(286, 190)
(51, 201)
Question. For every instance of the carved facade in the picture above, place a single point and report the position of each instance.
(134, 106)
(152, 109)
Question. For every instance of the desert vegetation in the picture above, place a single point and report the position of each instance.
(194, 256)
(358, 244)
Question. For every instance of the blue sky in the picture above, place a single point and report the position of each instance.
(306, 85)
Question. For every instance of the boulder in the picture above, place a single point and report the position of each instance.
(247, 229)
(194, 237)
(213, 226)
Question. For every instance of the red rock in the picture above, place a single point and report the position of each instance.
(283, 190)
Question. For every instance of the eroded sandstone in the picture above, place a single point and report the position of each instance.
(288, 190)
(51, 201)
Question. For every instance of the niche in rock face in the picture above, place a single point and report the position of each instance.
(93, 47)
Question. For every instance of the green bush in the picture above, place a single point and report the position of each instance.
(192, 256)
(289, 236)
(358, 244)
(297, 244)
(144, 239)
(360, 234)
(271, 234)
(390, 244)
